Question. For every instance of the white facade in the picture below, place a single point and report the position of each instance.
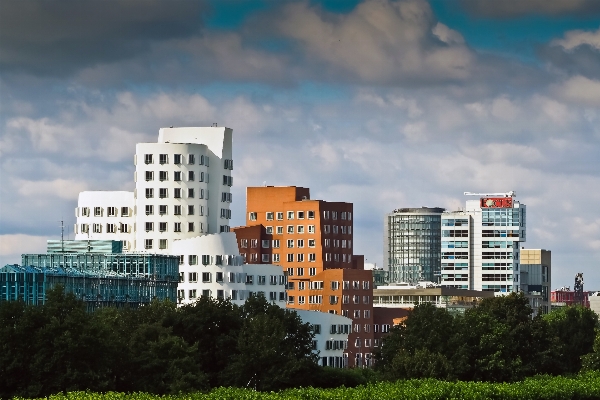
(331, 336)
(480, 247)
(183, 186)
(104, 215)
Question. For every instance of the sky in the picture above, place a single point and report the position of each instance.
(384, 104)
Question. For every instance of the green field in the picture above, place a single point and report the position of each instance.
(584, 386)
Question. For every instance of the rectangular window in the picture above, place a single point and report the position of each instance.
(300, 257)
(365, 285)
(97, 211)
(275, 257)
(300, 243)
(280, 230)
(300, 214)
(290, 229)
(290, 215)
(265, 258)
(244, 243)
(190, 227)
(163, 159)
(163, 176)
(312, 271)
(326, 229)
(191, 159)
(177, 193)
(148, 159)
(162, 244)
(300, 271)
(301, 285)
(177, 159)
(252, 216)
(290, 258)
(300, 228)
(312, 257)
(149, 193)
(177, 227)
(162, 210)
(290, 271)
(265, 244)
(280, 216)
(149, 176)
(276, 243)
(162, 226)
(192, 277)
(269, 230)
(325, 214)
(300, 299)
(190, 210)
(206, 278)
(148, 244)
(162, 193)
(149, 226)
(269, 216)
(254, 243)
(191, 193)
(177, 210)
(290, 243)
(311, 242)
(335, 285)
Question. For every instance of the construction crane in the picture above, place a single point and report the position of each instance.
(512, 193)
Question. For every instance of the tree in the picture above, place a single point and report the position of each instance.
(574, 331)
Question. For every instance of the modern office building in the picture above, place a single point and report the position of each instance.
(411, 244)
(481, 245)
(97, 272)
(535, 278)
(182, 190)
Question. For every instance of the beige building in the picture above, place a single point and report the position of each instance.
(535, 277)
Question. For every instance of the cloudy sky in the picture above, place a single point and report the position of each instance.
(384, 104)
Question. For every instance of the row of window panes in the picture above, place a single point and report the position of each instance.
(177, 159)
(318, 299)
(177, 210)
(163, 193)
(110, 228)
(177, 176)
(110, 211)
(266, 258)
(233, 294)
(177, 226)
(270, 216)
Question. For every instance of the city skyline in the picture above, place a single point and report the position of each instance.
(383, 104)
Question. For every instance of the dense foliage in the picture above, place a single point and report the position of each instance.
(158, 348)
(497, 341)
(586, 386)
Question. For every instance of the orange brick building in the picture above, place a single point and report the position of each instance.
(312, 240)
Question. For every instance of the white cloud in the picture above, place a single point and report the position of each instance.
(573, 39)
(581, 90)
(13, 245)
(62, 188)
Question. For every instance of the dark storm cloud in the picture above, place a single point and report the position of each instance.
(517, 8)
(60, 37)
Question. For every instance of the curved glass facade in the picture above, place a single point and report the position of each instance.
(413, 244)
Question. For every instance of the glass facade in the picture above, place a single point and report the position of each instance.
(413, 244)
(456, 251)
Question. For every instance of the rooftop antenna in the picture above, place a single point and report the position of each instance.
(62, 236)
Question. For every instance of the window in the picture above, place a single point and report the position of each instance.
(327, 256)
(290, 243)
(280, 230)
(356, 314)
(252, 216)
(201, 177)
(311, 229)
(300, 271)
(177, 210)
(311, 242)
(290, 215)
(190, 193)
(176, 193)
(244, 243)
(279, 216)
(261, 280)
(125, 211)
(85, 228)
(254, 243)
(335, 229)
(163, 176)
(192, 259)
(300, 257)
(190, 227)
(149, 176)
(190, 210)
(290, 271)
(177, 176)
(311, 215)
(177, 227)
(162, 193)
(163, 159)
(335, 285)
(191, 159)
(162, 210)
(290, 257)
(300, 214)
(97, 228)
(254, 257)
(177, 159)
(356, 299)
(219, 277)
(290, 229)
(265, 258)
(192, 294)
(300, 228)
(148, 159)
(162, 244)
(149, 226)
(326, 228)
(269, 216)
(123, 228)
(206, 293)
(367, 314)
(192, 277)
(300, 299)
(276, 243)
(206, 277)
(85, 212)
(346, 300)
(148, 244)
(276, 257)
(149, 193)
(312, 257)
(300, 243)
(325, 214)
(355, 285)
(269, 230)
(366, 299)
(334, 214)
(301, 285)
(312, 271)
(205, 259)
(162, 226)
(110, 228)
(365, 285)
(97, 211)
(265, 244)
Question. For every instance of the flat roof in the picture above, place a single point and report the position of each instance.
(438, 291)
